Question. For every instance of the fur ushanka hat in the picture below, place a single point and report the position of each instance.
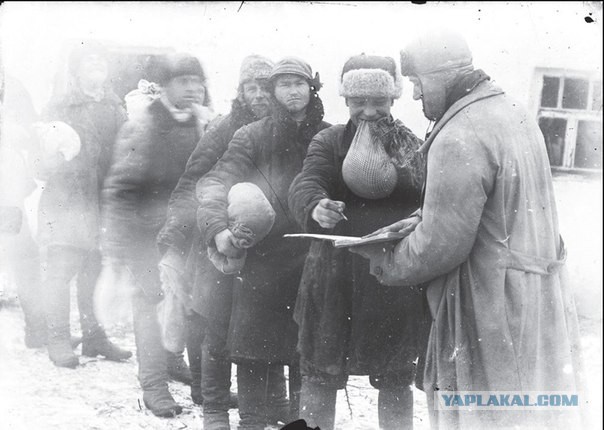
(370, 76)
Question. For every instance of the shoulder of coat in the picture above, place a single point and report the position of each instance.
(330, 132)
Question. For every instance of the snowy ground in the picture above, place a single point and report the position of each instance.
(102, 395)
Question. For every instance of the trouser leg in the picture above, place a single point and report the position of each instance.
(216, 371)
(318, 403)
(278, 405)
(395, 408)
(295, 385)
(216, 386)
(60, 266)
(195, 333)
(150, 353)
(262, 394)
(25, 266)
(86, 283)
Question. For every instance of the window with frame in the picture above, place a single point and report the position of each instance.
(570, 117)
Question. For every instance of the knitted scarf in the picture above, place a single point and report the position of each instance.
(401, 145)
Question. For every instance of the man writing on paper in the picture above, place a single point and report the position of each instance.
(369, 168)
(488, 244)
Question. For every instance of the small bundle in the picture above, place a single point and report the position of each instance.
(251, 218)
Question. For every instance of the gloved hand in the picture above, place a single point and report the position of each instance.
(226, 265)
(226, 244)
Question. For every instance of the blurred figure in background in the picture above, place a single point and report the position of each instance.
(151, 154)
(179, 240)
(368, 167)
(269, 153)
(19, 254)
(69, 209)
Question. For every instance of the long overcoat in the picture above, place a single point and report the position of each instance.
(268, 153)
(490, 248)
(348, 323)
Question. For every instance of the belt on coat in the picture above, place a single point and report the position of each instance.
(533, 264)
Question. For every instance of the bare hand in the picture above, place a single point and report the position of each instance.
(225, 244)
(328, 213)
(406, 226)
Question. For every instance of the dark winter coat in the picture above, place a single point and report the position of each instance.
(489, 247)
(268, 153)
(348, 324)
(151, 153)
(180, 231)
(69, 208)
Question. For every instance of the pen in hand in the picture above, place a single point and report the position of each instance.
(341, 212)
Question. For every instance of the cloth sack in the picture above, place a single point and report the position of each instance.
(58, 137)
(251, 218)
(113, 293)
(368, 169)
(173, 310)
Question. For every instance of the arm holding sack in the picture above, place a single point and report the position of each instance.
(235, 166)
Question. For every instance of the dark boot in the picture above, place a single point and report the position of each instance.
(178, 370)
(161, 403)
(278, 405)
(318, 404)
(294, 386)
(395, 408)
(152, 368)
(216, 385)
(252, 386)
(96, 343)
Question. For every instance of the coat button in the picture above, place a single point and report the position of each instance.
(378, 271)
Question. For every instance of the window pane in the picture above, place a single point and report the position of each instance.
(575, 93)
(549, 94)
(588, 153)
(554, 132)
(596, 97)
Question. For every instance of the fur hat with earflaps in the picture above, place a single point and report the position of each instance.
(255, 67)
(370, 76)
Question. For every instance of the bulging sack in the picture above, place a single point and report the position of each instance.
(368, 169)
(251, 218)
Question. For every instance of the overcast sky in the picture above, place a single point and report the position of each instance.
(508, 39)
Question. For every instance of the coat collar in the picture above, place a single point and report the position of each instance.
(164, 118)
(484, 91)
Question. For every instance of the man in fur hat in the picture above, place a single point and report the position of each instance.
(269, 153)
(367, 168)
(212, 290)
(488, 245)
(151, 154)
